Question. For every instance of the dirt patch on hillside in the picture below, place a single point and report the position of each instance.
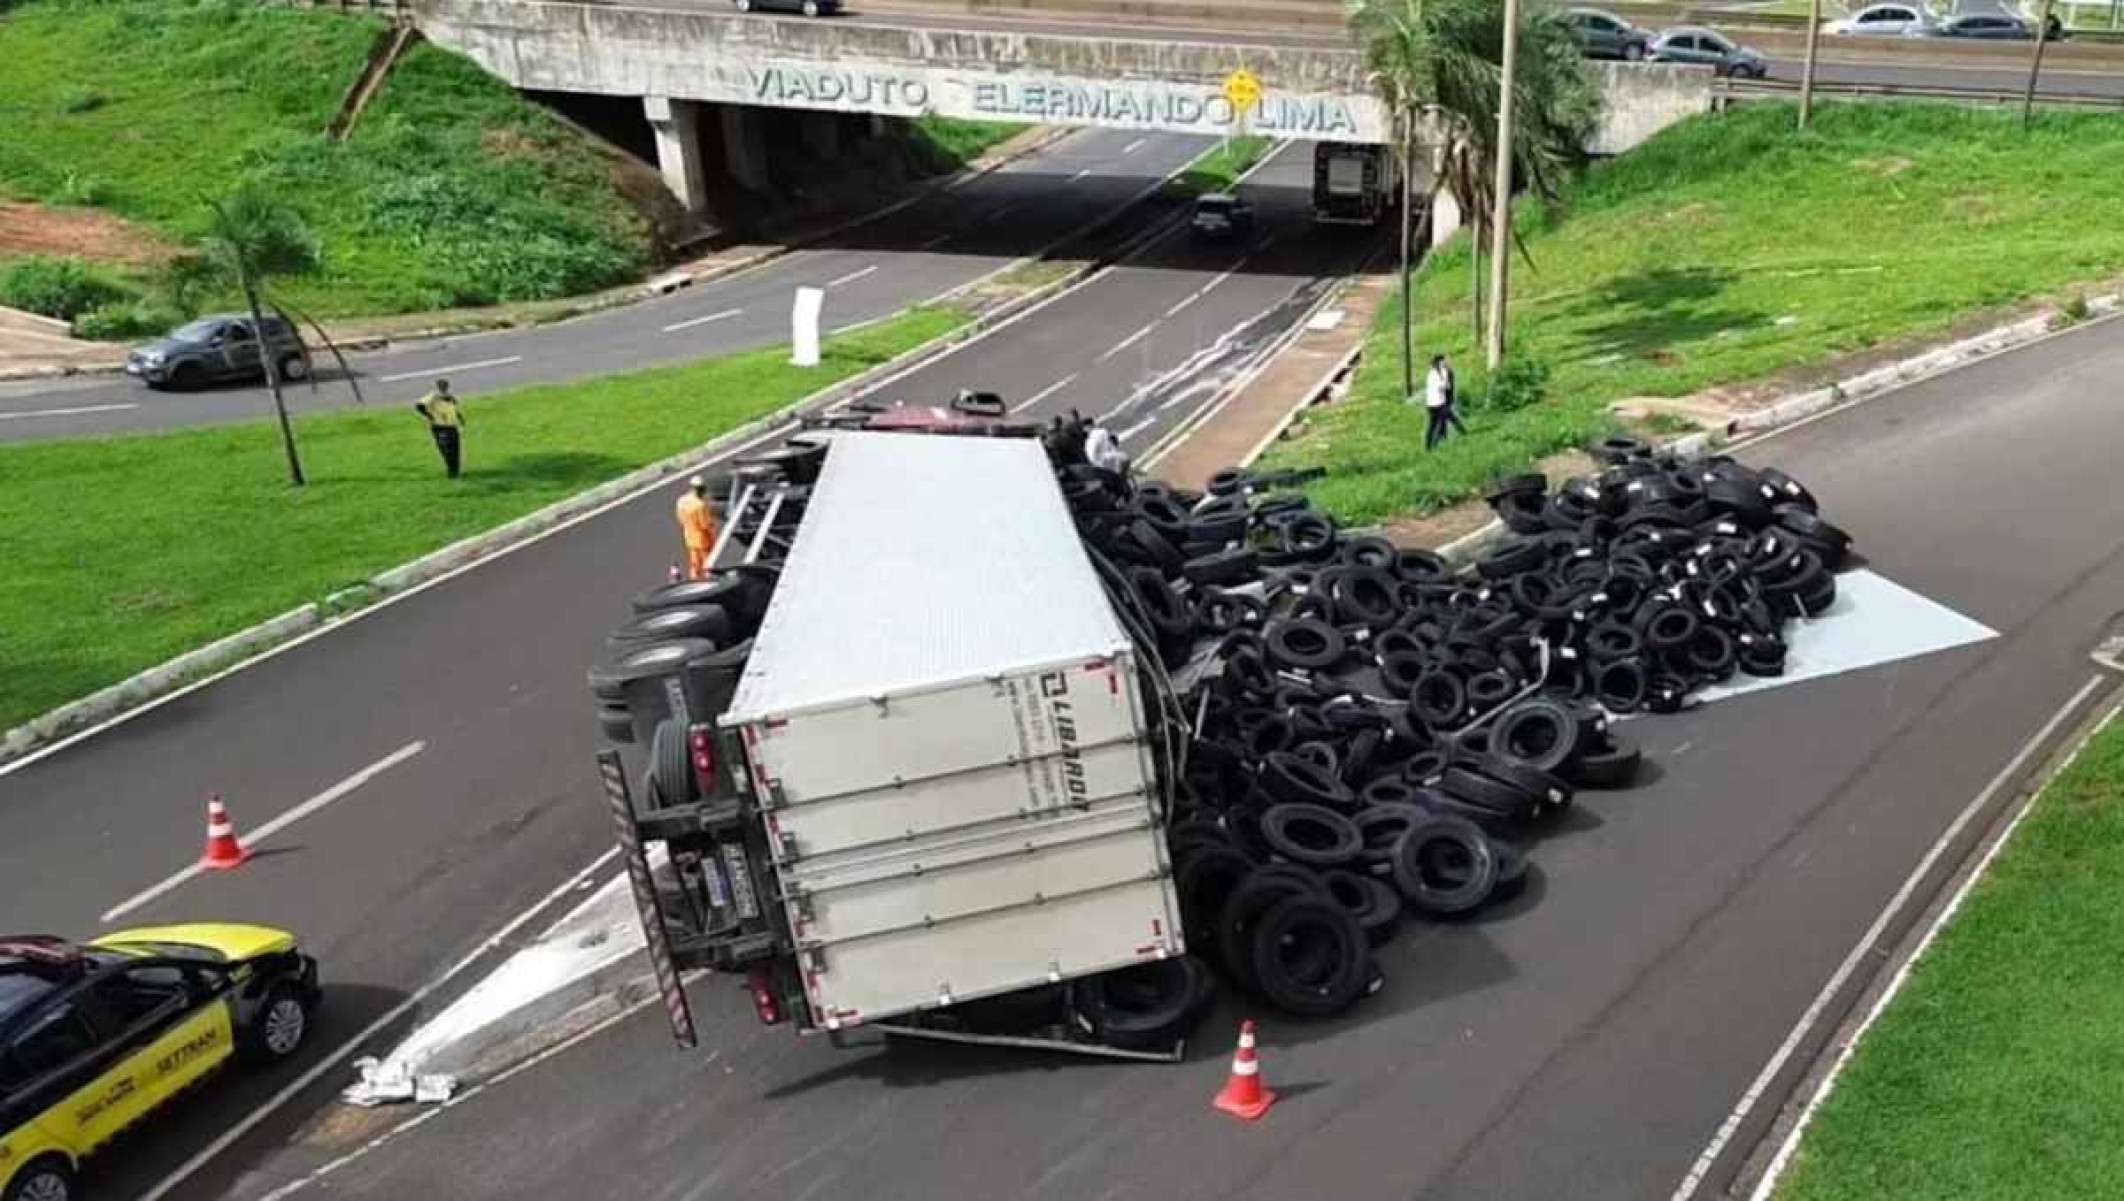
(27, 229)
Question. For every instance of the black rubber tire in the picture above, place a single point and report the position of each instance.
(609, 681)
(1439, 699)
(1304, 643)
(50, 1173)
(1668, 627)
(1293, 778)
(1261, 891)
(1367, 596)
(1369, 899)
(1445, 866)
(1313, 835)
(1400, 670)
(1381, 826)
(1544, 787)
(1370, 552)
(1169, 616)
(1205, 884)
(1158, 548)
(263, 1040)
(689, 621)
(671, 765)
(1516, 485)
(1538, 733)
(1234, 566)
(1619, 685)
(1492, 796)
(1148, 1006)
(723, 589)
(1614, 767)
(1426, 766)
(1310, 957)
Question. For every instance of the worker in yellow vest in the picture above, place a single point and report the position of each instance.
(446, 421)
(697, 525)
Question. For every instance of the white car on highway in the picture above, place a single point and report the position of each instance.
(1883, 20)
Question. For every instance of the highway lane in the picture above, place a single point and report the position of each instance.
(1586, 1041)
(954, 236)
(409, 871)
(1841, 66)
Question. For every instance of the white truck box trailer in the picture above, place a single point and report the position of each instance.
(944, 731)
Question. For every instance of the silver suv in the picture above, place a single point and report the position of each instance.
(220, 347)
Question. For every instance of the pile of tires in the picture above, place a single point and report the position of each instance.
(1376, 735)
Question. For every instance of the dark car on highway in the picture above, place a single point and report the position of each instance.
(217, 348)
(1605, 35)
(1695, 44)
(1222, 216)
(810, 8)
(1995, 27)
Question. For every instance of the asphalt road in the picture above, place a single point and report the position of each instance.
(1585, 1041)
(415, 868)
(951, 238)
(1839, 66)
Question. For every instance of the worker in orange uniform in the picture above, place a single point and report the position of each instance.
(697, 524)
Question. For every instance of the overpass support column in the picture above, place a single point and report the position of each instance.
(1445, 216)
(744, 151)
(677, 124)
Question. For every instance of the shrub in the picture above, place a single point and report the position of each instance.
(82, 191)
(2071, 311)
(61, 288)
(1520, 381)
(126, 321)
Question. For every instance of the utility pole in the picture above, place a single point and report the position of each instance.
(1501, 203)
(2035, 68)
(1814, 38)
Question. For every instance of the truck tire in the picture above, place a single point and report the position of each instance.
(722, 589)
(1148, 1006)
(608, 682)
(671, 766)
(1205, 885)
(1262, 889)
(1313, 835)
(688, 621)
(1372, 901)
(1445, 866)
(1310, 957)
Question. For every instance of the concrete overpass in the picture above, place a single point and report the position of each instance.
(702, 68)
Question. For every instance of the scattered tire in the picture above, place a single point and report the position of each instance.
(1444, 866)
(1310, 957)
(1311, 834)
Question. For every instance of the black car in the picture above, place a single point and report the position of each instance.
(1222, 216)
(221, 347)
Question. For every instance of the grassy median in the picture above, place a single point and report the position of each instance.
(1997, 1074)
(1729, 248)
(122, 552)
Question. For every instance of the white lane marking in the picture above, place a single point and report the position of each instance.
(1813, 1014)
(852, 276)
(297, 1086)
(676, 326)
(1776, 1169)
(453, 369)
(258, 834)
(937, 241)
(1204, 290)
(1044, 393)
(64, 412)
(1132, 147)
(1137, 428)
(1129, 341)
(1079, 175)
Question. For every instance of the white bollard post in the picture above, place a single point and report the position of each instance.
(804, 327)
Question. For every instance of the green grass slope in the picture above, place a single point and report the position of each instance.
(1727, 248)
(452, 190)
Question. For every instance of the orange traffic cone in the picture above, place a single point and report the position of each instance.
(223, 851)
(1244, 1096)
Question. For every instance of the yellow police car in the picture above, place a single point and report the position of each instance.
(93, 1036)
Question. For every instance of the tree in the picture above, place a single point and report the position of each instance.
(1438, 65)
(251, 239)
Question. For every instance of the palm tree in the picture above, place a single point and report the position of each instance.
(1438, 66)
(252, 238)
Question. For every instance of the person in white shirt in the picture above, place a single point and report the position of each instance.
(1103, 451)
(1438, 401)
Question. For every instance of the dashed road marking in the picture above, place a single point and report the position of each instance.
(452, 369)
(1127, 342)
(1044, 393)
(74, 412)
(852, 276)
(676, 326)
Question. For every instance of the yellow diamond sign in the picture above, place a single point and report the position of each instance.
(1243, 89)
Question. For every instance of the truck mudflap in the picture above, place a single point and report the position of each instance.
(668, 984)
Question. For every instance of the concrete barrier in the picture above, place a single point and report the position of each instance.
(1644, 98)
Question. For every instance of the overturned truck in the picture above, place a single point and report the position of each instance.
(903, 760)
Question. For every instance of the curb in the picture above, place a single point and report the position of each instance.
(674, 280)
(80, 716)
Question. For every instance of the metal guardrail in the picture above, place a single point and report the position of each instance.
(1729, 91)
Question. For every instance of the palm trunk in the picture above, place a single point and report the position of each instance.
(1408, 314)
(272, 374)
